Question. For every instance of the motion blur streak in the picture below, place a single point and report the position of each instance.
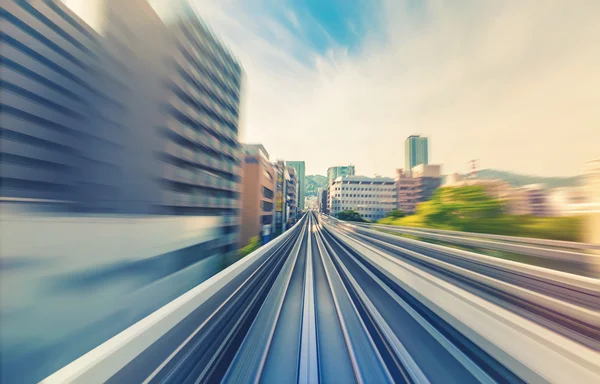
(120, 171)
(142, 242)
(379, 317)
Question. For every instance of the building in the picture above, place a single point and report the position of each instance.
(332, 174)
(292, 193)
(517, 202)
(424, 170)
(280, 197)
(258, 194)
(566, 201)
(135, 119)
(528, 200)
(536, 200)
(99, 121)
(322, 200)
(417, 186)
(299, 166)
(496, 188)
(453, 179)
(312, 203)
(48, 91)
(339, 171)
(406, 191)
(416, 151)
(371, 197)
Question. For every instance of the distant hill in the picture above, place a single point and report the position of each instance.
(519, 180)
(313, 182)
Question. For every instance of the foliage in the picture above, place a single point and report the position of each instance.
(252, 246)
(350, 215)
(313, 183)
(395, 214)
(459, 207)
(470, 209)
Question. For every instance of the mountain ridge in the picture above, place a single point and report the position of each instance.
(313, 182)
(519, 179)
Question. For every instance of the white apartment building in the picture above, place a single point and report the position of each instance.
(528, 200)
(371, 197)
(566, 201)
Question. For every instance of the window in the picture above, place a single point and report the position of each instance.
(267, 193)
(266, 206)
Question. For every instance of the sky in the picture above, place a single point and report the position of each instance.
(512, 83)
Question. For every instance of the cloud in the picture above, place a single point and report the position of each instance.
(515, 84)
(291, 16)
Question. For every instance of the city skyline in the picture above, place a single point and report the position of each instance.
(495, 82)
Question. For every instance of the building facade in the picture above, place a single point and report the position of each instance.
(258, 194)
(453, 179)
(53, 66)
(416, 187)
(528, 200)
(280, 197)
(566, 201)
(496, 188)
(416, 151)
(140, 117)
(339, 171)
(136, 120)
(322, 200)
(292, 195)
(371, 197)
(300, 168)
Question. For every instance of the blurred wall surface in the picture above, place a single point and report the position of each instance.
(68, 283)
(120, 171)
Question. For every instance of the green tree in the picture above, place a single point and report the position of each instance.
(395, 214)
(350, 215)
(470, 209)
(253, 245)
(459, 207)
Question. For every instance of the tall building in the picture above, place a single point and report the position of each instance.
(258, 193)
(53, 67)
(292, 192)
(371, 197)
(417, 186)
(339, 171)
(299, 166)
(416, 151)
(140, 117)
